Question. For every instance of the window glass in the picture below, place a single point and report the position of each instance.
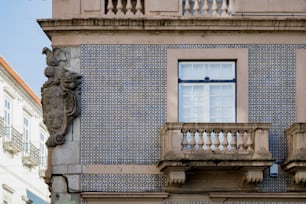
(207, 92)
(26, 135)
(7, 119)
(42, 149)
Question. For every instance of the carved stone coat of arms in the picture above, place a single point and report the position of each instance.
(60, 96)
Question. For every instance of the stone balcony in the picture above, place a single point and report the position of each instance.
(214, 156)
(296, 159)
(12, 140)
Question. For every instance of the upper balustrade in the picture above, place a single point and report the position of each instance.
(176, 8)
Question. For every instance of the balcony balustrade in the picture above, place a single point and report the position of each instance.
(296, 159)
(30, 155)
(214, 8)
(158, 9)
(124, 7)
(12, 140)
(215, 147)
(197, 8)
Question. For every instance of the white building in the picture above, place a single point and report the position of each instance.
(22, 141)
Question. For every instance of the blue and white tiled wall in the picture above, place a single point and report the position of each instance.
(124, 106)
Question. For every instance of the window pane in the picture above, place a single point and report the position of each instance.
(185, 71)
(207, 101)
(214, 71)
(228, 71)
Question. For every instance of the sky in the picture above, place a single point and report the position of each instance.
(22, 39)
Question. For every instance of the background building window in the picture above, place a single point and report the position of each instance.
(7, 118)
(42, 149)
(26, 135)
(207, 91)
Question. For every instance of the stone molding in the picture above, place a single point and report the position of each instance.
(130, 197)
(252, 24)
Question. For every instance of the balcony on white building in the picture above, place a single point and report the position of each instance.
(214, 155)
(12, 140)
(30, 155)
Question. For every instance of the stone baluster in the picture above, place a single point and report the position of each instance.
(224, 8)
(208, 140)
(187, 8)
(249, 142)
(119, 8)
(184, 141)
(110, 7)
(129, 8)
(217, 140)
(233, 142)
(214, 8)
(139, 8)
(240, 141)
(192, 139)
(225, 140)
(196, 8)
(200, 141)
(205, 8)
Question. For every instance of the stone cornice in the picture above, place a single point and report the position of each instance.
(235, 195)
(124, 196)
(192, 24)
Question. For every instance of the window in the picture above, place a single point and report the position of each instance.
(237, 55)
(207, 91)
(26, 135)
(7, 119)
(42, 149)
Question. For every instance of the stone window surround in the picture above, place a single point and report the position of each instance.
(238, 54)
(300, 86)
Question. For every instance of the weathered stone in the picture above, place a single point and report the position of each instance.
(60, 96)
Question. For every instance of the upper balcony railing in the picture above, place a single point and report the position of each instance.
(124, 7)
(206, 8)
(189, 7)
(176, 8)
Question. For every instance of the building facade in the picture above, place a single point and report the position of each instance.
(182, 102)
(23, 152)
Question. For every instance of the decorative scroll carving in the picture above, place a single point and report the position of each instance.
(60, 95)
(176, 177)
(300, 177)
(253, 176)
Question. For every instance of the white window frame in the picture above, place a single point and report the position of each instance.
(7, 119)
(42, 149)
(26, 135)
(240, 55)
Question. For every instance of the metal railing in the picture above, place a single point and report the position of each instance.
(12, 140)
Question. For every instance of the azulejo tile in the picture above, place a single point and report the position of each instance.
(124, 102)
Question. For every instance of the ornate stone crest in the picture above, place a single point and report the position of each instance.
(60, 95)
